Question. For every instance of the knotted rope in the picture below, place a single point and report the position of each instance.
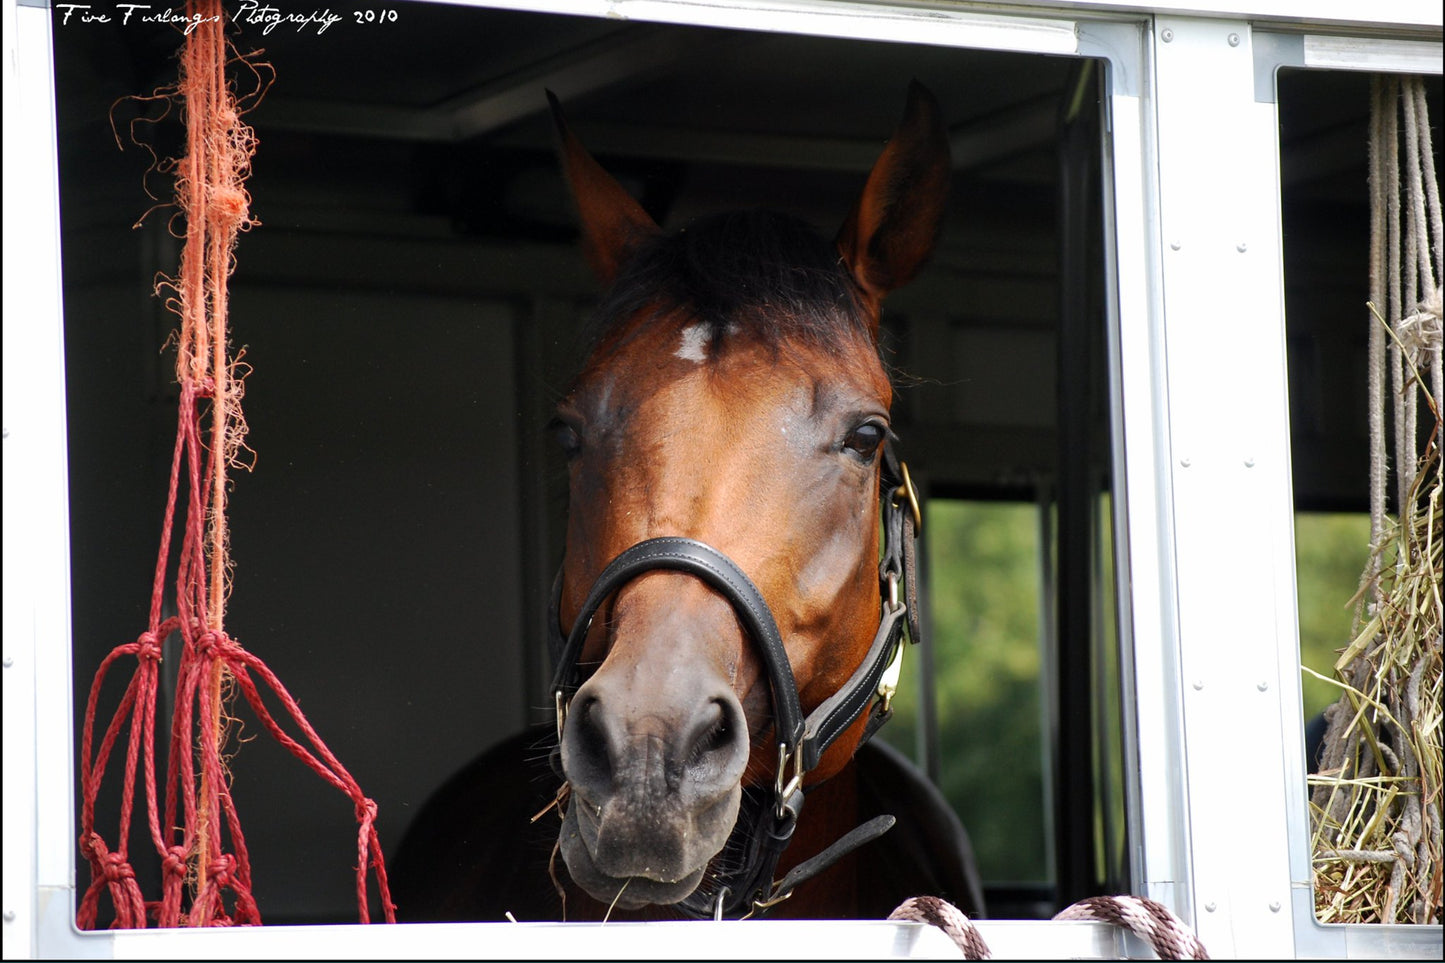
(200, 839)
(1150, 921)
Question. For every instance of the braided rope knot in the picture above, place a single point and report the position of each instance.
(148, 647)
(174, 862)
(92, 847)
(116, 867)
(366, 812)
(218, 870)
(195, 387)
(213, 643)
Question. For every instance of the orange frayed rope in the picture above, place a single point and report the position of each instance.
(200, 839)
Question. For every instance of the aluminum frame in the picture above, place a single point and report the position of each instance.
(38, 826)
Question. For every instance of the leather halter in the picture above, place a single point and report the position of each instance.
(801, 741)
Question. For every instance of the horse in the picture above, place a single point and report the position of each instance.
(724, 634)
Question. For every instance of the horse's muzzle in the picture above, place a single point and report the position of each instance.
(656, 784)
(630, 880)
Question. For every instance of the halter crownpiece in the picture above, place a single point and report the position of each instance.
(801, 741)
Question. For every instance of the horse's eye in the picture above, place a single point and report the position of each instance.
(865, 439)
(568, 437)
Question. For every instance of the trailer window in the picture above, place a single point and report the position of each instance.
(411, 304)
(1325, 124)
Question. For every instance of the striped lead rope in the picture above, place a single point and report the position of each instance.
(1147, 919)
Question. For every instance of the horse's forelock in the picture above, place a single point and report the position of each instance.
(757, 274)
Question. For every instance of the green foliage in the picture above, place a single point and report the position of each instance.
(983, 592)
(1330, 553)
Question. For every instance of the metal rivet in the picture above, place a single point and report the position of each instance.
(1263, 687)
(1241, 247)
(1166, 35)
(1234, 40)
(1210, 907)
(1249, 461)
(1175, 245)
(1198, 683)
(1274, 906)
(1185, 462)
(9, 916)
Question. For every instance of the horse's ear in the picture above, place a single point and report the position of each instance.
(891, 231)
(613, 223)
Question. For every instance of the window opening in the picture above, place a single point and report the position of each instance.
(379, 222)
(1325, 119)
(976, 708)
(1030, 665)
(984, 563)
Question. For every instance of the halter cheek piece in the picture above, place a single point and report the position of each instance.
(801, 741)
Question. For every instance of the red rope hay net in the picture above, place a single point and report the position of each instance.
(205, 847)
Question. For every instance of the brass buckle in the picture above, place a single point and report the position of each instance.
(908, 492)
(771, 900)
(888, 684)
(783, 786)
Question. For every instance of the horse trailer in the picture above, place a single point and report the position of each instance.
(1129, 384)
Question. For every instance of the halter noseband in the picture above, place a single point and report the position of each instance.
(801, 741)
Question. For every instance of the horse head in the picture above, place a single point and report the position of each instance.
(733, 399)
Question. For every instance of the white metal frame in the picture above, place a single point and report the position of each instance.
(37, 729)
(1203, 518)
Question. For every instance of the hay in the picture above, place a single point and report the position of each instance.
(1376, 802)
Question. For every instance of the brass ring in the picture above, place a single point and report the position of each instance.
(908, 491)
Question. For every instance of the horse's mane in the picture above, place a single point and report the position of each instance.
(756, 272)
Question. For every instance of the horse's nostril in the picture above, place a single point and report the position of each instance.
(715, 740)
(592, 762)
(698, 749)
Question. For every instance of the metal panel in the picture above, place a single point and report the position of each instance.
(1157, 805)
(941, 25)
(1273, 50)
(1229, 442)
(1395, 13)
(1370, 53)
(39, 831)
